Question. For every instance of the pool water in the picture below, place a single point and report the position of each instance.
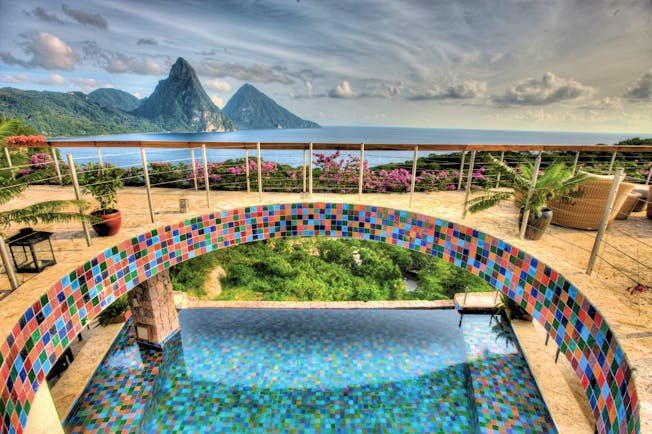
(340, 371)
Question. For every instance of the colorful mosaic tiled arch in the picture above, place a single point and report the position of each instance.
(47, 327)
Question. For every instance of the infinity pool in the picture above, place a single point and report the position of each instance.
(322, 371)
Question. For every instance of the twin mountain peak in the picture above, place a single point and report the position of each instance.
(178, 104)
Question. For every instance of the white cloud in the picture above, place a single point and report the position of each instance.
(120, 63)
(537, 115)
(218, 85)
(343, 90)
(604, 104)
(642, 89)
(47, 51)
(550, 89)
(465, 89)
(14, 79)
(255, 73)
(87, 84)
(219, 102)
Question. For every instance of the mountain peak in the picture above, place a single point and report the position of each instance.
(182, 68)
(250, 108)
(180, 103)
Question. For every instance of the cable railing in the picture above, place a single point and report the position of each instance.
(340, 168)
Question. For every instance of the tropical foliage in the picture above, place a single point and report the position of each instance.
(324, 269)
(556, 181)
(103, 183)
(53, 211)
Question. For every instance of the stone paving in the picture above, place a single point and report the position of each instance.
(624, 259)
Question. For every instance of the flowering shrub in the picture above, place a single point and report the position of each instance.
(22, 140)
(40, 161)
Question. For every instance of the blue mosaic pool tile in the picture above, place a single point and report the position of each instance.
(603, 372)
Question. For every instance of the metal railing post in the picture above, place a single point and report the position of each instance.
(194, 168)
(56, 165)
(78, 196)
(577, 160)
(206, 179)
(649, 175)
(99, 156)
(310, 173)
(148, 187)
(459, 181)
(304, 174)
(469, 179)
(260, 173)
(413, 181)
(361, 175)
(8, 263)
(533, 183)
(606, 212)
(611, 163)
(247, 170)
(502, 158)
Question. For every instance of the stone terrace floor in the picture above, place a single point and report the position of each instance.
(565, 250)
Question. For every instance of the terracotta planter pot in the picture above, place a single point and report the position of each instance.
(110, 224)
(536, 227)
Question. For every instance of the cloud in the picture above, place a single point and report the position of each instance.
(87, 84)
(120, 63)
(608, 103)
(550, 89)
(466, 89)
(147, 41)
(255, 73)
(373, 89)
(95, 20)
(217, 85)
(642, 89)
(343, 90)
(47, 51)
(538, 115)
(219, 102)
(53, 79)
(43, 15)
(14, 79)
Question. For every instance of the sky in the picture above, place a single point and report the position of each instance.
(543, 65)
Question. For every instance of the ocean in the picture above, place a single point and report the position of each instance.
(125, 157)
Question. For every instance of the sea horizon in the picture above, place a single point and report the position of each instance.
(331, 134)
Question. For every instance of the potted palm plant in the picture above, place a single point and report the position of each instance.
(103, 183)
(558, 180)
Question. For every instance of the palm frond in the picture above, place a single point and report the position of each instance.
(487, 199)
(10, 188)
(9, 128)
(47, 212)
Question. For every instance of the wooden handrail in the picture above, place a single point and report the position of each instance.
(484, 147)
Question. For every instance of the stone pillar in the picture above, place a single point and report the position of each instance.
(152, 308)
(43, 416)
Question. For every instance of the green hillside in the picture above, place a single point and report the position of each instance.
(55, 114)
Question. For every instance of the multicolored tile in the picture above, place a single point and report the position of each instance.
(44, 331)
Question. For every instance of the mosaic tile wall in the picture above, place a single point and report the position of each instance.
(45, 329)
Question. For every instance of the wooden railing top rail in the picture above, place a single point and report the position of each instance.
(339, 146)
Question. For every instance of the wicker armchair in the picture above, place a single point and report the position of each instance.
(585, 211)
